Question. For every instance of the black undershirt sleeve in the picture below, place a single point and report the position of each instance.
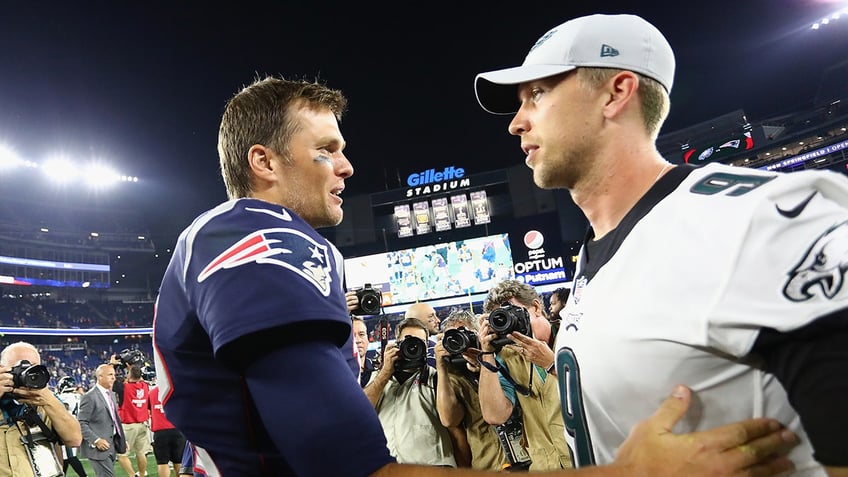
(812, 365)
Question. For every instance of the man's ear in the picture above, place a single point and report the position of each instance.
(539, 308)
(259, 159)
(622, 90)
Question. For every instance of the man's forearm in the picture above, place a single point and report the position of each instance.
(495, 406)
(374, 389)
(447, 405)
(64, 424)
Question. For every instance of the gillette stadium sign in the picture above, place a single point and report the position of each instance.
(431, 181)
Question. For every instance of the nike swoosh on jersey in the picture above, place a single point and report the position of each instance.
(795, 211)
(282, 215)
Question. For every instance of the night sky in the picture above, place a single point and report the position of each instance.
(144, 83)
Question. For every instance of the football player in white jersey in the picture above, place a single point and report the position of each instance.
(67, 393)
(728, 280)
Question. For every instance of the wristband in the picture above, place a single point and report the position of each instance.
(551, 368)
(489, 366)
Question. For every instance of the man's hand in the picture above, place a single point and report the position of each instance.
(7, 381)
(486, 336)
(102, 444)
(351, 300)
(387, 365)
(751, 448)
(35, 397)
(440, 353)
(531, 349)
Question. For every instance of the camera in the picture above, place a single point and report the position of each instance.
(412, 353)
(457, 340)
(28, 375)
(132, 357)
(370, 301)
(507, 319)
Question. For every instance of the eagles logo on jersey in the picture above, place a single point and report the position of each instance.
(824, 265)
(284, 247)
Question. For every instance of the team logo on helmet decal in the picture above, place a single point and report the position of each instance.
(822, 270)
(287, 248)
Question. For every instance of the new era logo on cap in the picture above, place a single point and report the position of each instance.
(639, 47)
(607, 50)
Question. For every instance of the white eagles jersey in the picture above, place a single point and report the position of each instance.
(679, 291)
(71, 401)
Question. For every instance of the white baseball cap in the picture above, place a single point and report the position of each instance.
(625, 42)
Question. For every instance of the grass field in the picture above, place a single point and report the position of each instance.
(119, 471)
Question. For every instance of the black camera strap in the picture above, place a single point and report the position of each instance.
(499, 368)
(30, 419)
(383, 327)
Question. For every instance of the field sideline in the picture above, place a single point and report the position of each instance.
(119, 472)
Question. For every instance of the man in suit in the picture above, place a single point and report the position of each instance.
(102, 435)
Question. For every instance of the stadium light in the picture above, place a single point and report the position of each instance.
(99, 175)
(95, 174)
(9, 159)
(61, 169)
(826, 20)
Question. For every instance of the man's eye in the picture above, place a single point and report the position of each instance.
(535, 93)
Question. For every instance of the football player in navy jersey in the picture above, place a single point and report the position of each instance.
(728, 280)
(253, 344)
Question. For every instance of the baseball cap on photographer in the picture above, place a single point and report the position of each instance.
(625, 42)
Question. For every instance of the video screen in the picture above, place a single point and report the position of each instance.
(434, 271)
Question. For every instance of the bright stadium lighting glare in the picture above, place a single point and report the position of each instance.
(10, 159)
(831, 17)
(60, 170)
(99, 175)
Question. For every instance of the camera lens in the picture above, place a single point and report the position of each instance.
(412, 349)
(36, 377)
(412, 353)
(454, 342)
(501, 321)
(370, 303)
(458, 340)
(32, 376)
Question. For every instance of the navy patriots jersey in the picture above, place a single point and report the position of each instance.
(251, 282)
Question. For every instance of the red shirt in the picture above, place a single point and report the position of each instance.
(158, 421)
(134, 407)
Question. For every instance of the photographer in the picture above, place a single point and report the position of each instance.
(134, 409)
(22, 407)
(403, 392)
(457, 398)
(521, 372)
(353, 301)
